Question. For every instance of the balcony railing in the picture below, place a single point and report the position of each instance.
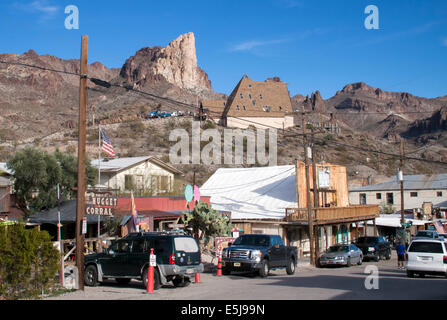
(334, 214)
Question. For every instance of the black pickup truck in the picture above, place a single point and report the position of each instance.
(374, 247)
(260, 253)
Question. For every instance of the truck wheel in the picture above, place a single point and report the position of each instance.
(226, 271)
(291, 267)
(377, 258)
(157, 283)
(264, 271)
(388, 255)
(91, 276)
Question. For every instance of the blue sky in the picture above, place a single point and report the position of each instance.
(311, 45)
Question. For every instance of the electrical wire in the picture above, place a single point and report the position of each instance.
(107, 84)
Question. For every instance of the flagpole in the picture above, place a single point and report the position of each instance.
(99, 246)
(99, 154)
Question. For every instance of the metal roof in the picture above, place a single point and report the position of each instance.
(252, 193)
(68, 215)
(394, 220)
(411, 182)
(114, 165)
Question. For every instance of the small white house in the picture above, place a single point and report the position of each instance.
(417, 190)
(148, 175)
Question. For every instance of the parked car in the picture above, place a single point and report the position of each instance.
(164, 114)
(177, 258)
(341, 254)
(152, 115)
(426, 256)
(158, 114)
(426, 234)
(259, 253)
(443, 236)
(375, 247)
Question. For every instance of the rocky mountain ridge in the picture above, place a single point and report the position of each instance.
(35, 102)
(362, 108)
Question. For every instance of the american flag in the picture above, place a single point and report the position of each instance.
(106, 145)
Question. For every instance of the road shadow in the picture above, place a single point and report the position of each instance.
(355, 286)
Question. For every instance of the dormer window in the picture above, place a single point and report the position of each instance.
(254, 102)
(249, 95)
(238, 108)
(242, 97)
(243, 107)
(260, 96)
(280, 108)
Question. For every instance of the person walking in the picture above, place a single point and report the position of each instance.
(401, 250)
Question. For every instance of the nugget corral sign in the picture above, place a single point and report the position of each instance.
(102, 206)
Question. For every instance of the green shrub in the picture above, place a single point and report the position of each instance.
(28, 261)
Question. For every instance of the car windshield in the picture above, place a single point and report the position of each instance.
(424, 234)
(338, 249)
(262, 241)
(369, 240)
(428, 247)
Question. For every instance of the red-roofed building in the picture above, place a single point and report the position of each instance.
(156, 212)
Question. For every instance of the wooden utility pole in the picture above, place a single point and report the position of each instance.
(80, 205)
(317, 230)
(401, 178)
(314, 176)
(308, 202)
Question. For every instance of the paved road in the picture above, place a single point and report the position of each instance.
(338, 283)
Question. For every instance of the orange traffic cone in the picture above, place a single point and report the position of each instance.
(219, 267)
(197, 278)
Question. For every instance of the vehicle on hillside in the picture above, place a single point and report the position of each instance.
(259, 253)
(152, 115)
(374, 247)
(426, 234)
(341, 254)
(177, 258)
(158, 114)
(426, 256)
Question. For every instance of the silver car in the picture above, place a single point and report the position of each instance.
(341, 254)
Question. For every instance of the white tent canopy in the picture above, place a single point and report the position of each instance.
(393, 220)
(252, 193)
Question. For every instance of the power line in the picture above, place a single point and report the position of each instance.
(107, 84)
(38, 67)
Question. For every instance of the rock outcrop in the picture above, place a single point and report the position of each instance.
(176, 63)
